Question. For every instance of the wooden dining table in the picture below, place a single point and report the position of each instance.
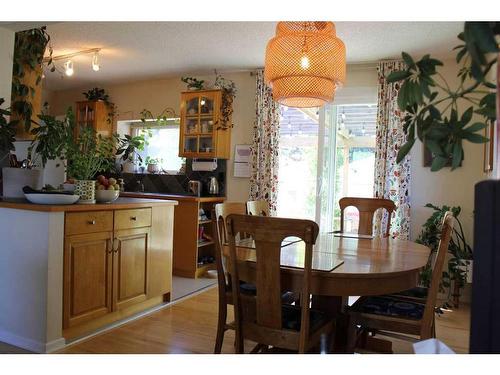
(343, 265)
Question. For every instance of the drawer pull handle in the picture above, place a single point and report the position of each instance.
(133, 218)
(91, 222)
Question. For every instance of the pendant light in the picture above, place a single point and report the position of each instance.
(305, 63)
(68, 68)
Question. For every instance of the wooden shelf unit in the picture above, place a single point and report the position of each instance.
(199, 135)
(94, 114)
(187, 249)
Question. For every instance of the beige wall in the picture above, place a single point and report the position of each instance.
(155, 95)
(6, 53)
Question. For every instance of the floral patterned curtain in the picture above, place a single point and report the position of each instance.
(392, 180)
(265, 148)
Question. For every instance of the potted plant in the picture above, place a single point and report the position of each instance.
(128, 149)
(97, 94)
(153, 164)
(455, 277)
(193, 83)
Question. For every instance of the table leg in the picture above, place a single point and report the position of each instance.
(334, 307)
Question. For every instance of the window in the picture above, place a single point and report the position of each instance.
(162, 144)
(325, 154)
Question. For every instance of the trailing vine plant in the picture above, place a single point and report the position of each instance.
(432, 115)
(228, 88)
(7, 130)
(29, 50)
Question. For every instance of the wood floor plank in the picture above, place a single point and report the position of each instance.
(190, 327)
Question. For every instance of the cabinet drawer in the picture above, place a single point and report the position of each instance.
(136, 218)
(89, 222)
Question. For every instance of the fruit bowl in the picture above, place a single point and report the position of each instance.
(106, 196)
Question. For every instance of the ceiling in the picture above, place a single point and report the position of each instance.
(142, 50)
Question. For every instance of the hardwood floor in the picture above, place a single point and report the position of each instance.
(190, 326)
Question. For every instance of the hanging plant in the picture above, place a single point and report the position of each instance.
(96, 94)
(29, 50)
(443, 129)
(7, 130)
(161, 119)
(228, 88)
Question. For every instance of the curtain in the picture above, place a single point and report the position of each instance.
(392, 180)
(265, 148)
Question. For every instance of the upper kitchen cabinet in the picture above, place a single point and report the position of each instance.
(94, 114)
(201, 136)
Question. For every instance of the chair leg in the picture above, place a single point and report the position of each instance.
(434, 326)
(221, 328)
(352, 336)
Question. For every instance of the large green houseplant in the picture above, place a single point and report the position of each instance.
(431, 104)
(455, 276)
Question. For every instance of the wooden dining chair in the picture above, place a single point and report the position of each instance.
(366, 208)
(258, 208)
(262, 317)
(394, 317)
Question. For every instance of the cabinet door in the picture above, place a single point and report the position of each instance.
(131, 267)
(87, 277)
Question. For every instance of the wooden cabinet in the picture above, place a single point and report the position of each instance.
(87, 277)
(116, 263)
(131, 266)
(200, 135)
(95, 114)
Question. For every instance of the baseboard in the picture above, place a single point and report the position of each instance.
(55, 345)
(22, 342)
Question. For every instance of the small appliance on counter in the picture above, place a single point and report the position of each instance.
(213, 186)
(195, 187)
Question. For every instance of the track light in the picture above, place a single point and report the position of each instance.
(95, 62)
(68, 68)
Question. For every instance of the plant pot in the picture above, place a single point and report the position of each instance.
(128, 167)
(153, 168)
(86, 190)
(14, 179)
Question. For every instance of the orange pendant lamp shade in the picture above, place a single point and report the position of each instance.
(305, 63)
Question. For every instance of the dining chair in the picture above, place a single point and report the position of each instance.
(263, 318)
(258, 208)
(394, 317)
(366, 208)
(225, 295)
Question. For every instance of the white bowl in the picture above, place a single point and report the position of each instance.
(52, 198)
(106, 196)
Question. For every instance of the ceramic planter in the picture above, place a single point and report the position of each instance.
(86, 190)
(153, 168)
(14, 179)
(128, 167)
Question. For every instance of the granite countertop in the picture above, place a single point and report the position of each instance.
(176, 197)
(120, 203)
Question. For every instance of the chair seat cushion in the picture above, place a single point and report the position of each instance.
(417, 292)
(251, 290)
(388, 306)
(291, 318)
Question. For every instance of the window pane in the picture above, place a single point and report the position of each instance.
(164, 145)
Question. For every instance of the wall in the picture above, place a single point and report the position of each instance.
(155, 95)
(6, 52)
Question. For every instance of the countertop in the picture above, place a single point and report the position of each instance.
(120, 203)
(172, 196)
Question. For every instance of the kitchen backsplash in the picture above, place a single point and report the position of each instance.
(176, 184)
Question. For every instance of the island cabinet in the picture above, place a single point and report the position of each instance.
(81, 267)
(201, 134)
(108, 268)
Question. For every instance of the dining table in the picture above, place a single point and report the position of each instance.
(343, 265)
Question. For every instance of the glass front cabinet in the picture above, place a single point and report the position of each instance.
(200, 135)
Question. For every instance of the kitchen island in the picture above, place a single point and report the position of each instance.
(66, 271)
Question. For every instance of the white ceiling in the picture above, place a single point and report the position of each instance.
(142, 50)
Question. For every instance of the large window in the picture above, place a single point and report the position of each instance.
(325, 155)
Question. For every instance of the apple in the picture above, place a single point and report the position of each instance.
(101, 178)
(101, 187)
(112, 181)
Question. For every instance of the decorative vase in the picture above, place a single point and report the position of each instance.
(128, 167)
(86, 190)
(14, 179)
(153, 168)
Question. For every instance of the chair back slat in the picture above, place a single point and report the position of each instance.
(366, 208)
(437, 272)
(268, 234)
(258, 208)
(222, 210)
